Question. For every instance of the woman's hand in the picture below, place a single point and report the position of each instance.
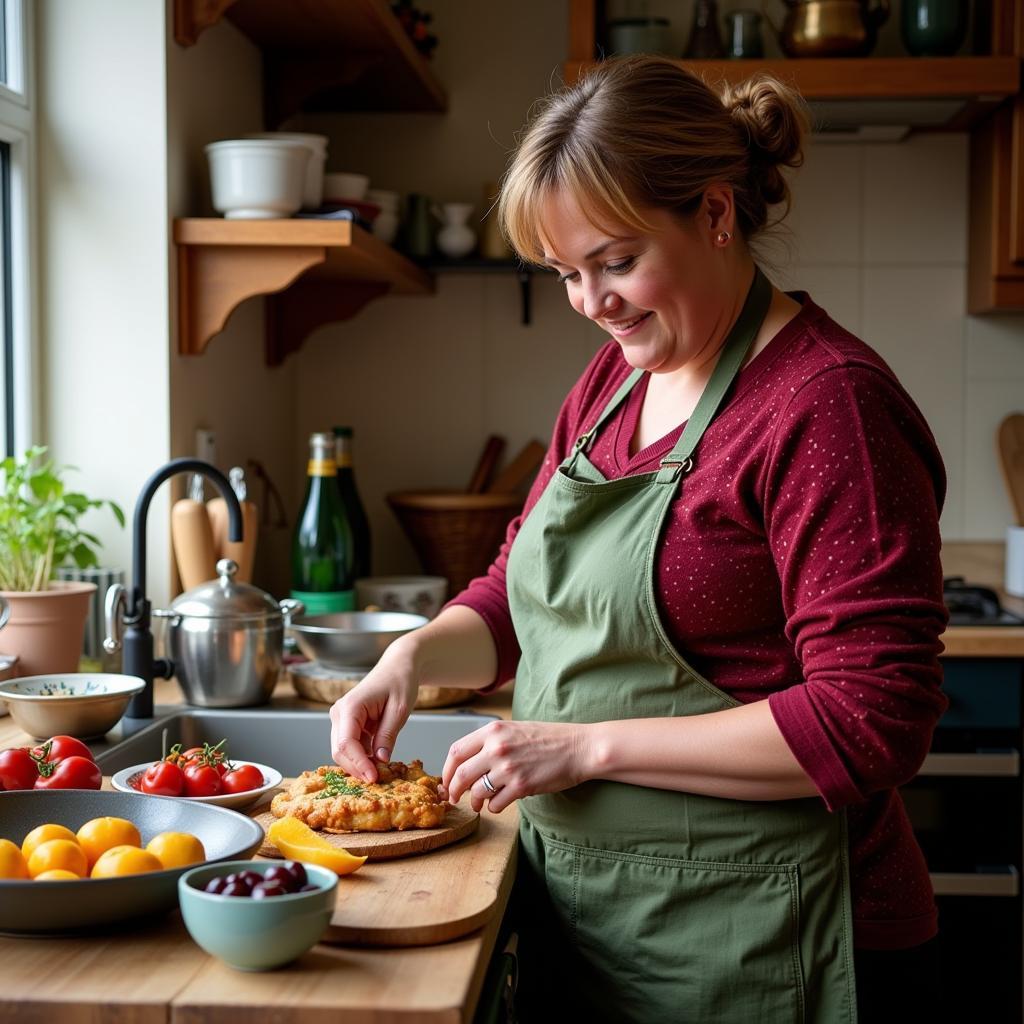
(367, 720)
(518, 759)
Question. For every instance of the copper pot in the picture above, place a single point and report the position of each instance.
(831, 28)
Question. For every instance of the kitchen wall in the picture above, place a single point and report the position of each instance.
(103, 255)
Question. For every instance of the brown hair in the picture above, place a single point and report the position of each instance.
(644, 131)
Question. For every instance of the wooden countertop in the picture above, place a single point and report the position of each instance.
(157, 974)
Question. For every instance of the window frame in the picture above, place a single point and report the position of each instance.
(18, 366)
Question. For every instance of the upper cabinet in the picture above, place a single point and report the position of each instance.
(980, 94)
(334, 55)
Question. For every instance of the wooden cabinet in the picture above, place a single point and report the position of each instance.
(317, 55)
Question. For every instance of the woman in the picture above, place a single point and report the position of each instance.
(721, 604)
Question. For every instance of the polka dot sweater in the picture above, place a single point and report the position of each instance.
(799, 564)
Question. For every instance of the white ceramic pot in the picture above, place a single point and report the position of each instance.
(456, 238)
(257, 179)
(313, 188)
(339, 186)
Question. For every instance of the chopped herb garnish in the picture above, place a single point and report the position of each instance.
(336, 784)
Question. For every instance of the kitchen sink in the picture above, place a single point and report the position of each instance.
(290, 741)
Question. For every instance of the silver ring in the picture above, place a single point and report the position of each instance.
(488, 785)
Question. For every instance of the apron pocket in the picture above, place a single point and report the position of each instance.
(685, 940)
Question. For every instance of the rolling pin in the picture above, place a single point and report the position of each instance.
(244, 551)
(192, 538)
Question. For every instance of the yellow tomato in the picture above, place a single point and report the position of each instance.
(176, 849)
(12, 860)
(58, 853)
(43, 834)
(57, 875)
(100, 834)
(124, 860)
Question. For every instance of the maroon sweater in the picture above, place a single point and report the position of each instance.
(799, 563)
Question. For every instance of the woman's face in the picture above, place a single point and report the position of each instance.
(663, 296)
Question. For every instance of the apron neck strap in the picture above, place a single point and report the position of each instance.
(734, 351)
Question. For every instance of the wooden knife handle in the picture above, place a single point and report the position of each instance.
(244, 551)
(523, 466)
(493, 449)
(193, 543)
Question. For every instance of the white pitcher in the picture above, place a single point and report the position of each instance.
(456, 238)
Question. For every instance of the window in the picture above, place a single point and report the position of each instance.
(16, 259)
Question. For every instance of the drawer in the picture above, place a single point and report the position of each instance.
(983, 693)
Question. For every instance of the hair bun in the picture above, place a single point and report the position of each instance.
(775, 120)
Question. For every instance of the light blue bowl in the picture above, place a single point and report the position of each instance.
(255, 935)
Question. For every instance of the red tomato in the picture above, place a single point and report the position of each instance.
(163, 779)
(72, 773)
(201, 780)
(241, 779)
(17, 769)
(56, 748)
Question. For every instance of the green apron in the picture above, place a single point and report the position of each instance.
(650, 904)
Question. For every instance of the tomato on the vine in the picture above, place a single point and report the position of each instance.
(242, 779)
(201, 780)
(163, 779)
(56, 748)
(70, 773)
(17, 769)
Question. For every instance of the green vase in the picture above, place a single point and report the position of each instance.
(933, 28)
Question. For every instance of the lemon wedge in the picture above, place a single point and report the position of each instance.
(297, 841)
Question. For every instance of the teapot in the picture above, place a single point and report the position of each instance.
(831, 28)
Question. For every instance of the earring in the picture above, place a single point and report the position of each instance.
(722, 238)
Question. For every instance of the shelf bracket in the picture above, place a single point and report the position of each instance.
(213, 280)
(192, 17)
(292, 315)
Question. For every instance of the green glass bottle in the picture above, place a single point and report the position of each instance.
(322, 577)
(354, 511)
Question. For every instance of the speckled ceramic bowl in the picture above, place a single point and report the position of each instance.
(256, 935)
(82, 704)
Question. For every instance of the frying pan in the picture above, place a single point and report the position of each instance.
(48, 908)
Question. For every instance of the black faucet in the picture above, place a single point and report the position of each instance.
(138, 639)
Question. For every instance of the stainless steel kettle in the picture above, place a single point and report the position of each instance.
(224, 639)
(831, 28)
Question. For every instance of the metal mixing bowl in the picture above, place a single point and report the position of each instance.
(351, 639)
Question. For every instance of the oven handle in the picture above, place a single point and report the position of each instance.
(1002, 881)
(1004, 763)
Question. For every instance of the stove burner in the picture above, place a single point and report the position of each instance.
(975, 606)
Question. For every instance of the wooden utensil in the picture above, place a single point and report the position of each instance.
(494, 446)
(244, 551)
(192, 538)
(522, 467)
(1010, 442)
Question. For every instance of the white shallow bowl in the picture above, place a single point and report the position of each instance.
(313, 187)
(257, 179)
(82, 704)
(342, 185)
(122, 782)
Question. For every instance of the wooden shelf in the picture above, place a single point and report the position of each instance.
(313, 272)
(332, 55)
(980, 82)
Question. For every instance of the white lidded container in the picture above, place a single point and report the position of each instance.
(313, 187)
(257, 179)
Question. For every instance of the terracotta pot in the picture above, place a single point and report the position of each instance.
(46, 628)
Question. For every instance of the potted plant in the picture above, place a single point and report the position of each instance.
(39, 530)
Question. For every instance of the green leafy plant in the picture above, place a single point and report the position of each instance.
(39, 522)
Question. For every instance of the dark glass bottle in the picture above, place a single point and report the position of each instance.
(705, 38)
(354, 511)
(322, 576)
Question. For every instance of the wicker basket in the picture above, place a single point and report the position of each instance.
(456, 535)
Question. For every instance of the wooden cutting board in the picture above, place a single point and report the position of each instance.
(420, 901)
(459, 823)
(1010, 442)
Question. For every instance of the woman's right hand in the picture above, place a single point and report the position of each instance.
(365, 722)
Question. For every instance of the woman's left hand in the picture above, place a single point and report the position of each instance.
(518, 759)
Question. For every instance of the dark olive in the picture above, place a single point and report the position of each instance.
(215, 885)
(267, 889)
(297, 871)
(238, 888)
(279, 873)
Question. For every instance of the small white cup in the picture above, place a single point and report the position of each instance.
(1013, 582)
